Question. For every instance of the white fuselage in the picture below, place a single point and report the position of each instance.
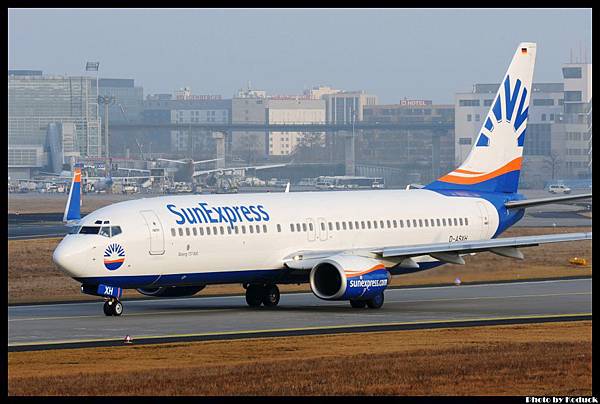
(259, 235)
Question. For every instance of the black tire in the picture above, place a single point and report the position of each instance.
(358, 304)
(376, 302)
(271, 296)
(108, 309)
(117, 308)
(254, 295)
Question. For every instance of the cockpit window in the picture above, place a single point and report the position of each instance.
(89, 230)
(116, 230)
(74, 229)
(104, 231)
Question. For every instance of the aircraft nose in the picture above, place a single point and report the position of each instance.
(65, 256)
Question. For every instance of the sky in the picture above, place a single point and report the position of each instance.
(392, 53)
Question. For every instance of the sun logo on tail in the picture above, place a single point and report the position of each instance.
(114, 256)
(507, 115)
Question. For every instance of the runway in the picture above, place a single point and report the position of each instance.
(184, 319)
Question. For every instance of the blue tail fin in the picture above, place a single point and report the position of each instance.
(494, 163)
(73, 208)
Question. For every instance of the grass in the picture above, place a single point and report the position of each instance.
(33, 277)
(535, 359)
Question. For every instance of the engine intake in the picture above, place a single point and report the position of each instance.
(345, 277)
(171, 291)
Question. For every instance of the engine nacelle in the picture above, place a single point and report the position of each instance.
(171, 291)
(345, 277)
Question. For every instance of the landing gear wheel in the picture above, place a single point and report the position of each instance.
(108, 308)
(117, 308)
(358, 304)
(113, 308)
(254, 295)
(376, 302)
(271, 296)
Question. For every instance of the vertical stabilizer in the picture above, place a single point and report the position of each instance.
(73, 208)
(494, 163)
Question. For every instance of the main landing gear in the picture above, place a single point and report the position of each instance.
(262, 294)
(374, 303)
(113, 307)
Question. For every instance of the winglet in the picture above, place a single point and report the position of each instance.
(287, 187)
(73, 208)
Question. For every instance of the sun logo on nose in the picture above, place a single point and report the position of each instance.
(114, 256)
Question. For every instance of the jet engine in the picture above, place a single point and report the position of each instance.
(171, 291)
(348, 277)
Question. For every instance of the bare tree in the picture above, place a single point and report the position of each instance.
(554, 161)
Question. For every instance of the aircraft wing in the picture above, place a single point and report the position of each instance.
(206, 161)
(526, 203)
(445, 252)
(173, 161)
(230, 169)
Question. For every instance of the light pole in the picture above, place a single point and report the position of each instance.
(93, 67)
(107, 100)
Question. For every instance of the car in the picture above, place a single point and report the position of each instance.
(559, 189)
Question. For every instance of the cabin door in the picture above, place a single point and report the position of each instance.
(156, 234)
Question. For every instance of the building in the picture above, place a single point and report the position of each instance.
(36, 100)
(183, 108)
(342, 106)
(294, 110)
(409, 155)
(317, 93)
(577, 120)
(129, 100)
(249, 107)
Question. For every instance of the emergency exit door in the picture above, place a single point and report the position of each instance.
(156, 234)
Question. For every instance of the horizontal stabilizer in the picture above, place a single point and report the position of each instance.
(544, 201)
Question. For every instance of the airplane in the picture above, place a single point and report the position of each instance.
(345, 244)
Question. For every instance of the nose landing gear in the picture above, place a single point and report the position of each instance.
(268, 295)
(113, 307)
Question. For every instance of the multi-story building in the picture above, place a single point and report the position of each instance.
(317, 93)
(36, 100)
(294, 110)
(577, 120)
(129, 100)
(346, 106)
(415, 155)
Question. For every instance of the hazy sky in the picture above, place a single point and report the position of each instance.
(392, 53)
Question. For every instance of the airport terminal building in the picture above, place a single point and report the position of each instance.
(35, 101)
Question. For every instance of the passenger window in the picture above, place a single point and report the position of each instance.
(401, 223)
(279, 228)
(222, 230)
(362, 224)
(264, 228)
(201, 231)
(237, 229)
(426, 222)
(216, 231)
(368, 224)
(228, 230)
(195, 231)
(374, 224)
(304, 227)
(449, 222)
(208, 231)
(298, 227)
(444, 221)
(408, 223)
(395, 223)
(243, 229)
(292, 227)
(466, 221)
(104, 231)
(180, 231)
(258, 228)
(414, 222)
(310, 227)
(337, 225)
(381, 225)
(187, 231)
(350, 225)
(330, 226)
(322, 226)
(455, 222)
(460, 221)
(356, 226)
(420, 223)
(438, 222)
(251, 228)
(173, 232)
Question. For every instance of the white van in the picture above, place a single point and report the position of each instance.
(559, 189)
